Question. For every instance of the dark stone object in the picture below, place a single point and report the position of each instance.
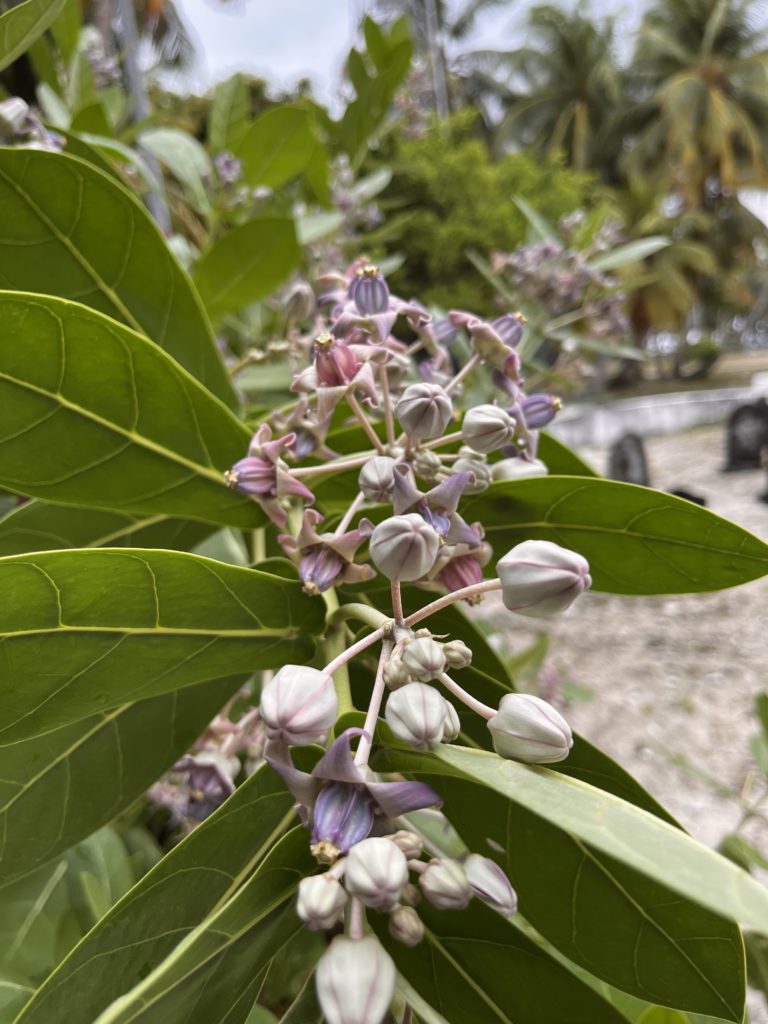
(627, 461)
(697, 499)
(746, 436)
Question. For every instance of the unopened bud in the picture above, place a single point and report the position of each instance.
(396, 674)
(408, 842)
(405, 926)
(404, 547)
(426, 464)
(540, 579)
(13, 114)
(424, 658)
(411, 895)
(416, 715)
(376, 479)
(355, 981)
(451, 724)
(376, 872)
(457, 654)
(490, 884)
(299, 705)
(445, 884)
(487, 428)
(518, 469)
(299, 303)
(424, 410)
(480, 470)
(528, 729)
(321, 902)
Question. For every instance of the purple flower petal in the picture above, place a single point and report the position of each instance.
(396, 798)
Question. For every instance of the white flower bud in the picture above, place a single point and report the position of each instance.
(13, 114)
(298, 705)
(416, 715)
(375, 872)
(490, 884)
(321, 902)
(424, 658)
(404, 547)
(541, 579)
(355, 981)
(481, 470)
(451, 724)
(376, 479)
(518, 469)
(408, 842)
(457, 654)
(487, 427)
(426, 464)
(445, 884)
(396, 674)
(528, 729)
(424, 410)
(405, 926)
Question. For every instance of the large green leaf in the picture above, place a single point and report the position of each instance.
(215, 973)
(196, 877)
(93, 414)
(90, 630)
(473, 966)
(247, 263)
(22, 25)
(72, 231)
(560, 459)
(637, 541)
(602, 880)
(57, 788)
(38, 526)
(277, 146)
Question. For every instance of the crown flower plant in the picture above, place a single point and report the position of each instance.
(359, 792)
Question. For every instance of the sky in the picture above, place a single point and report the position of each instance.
(284, 40)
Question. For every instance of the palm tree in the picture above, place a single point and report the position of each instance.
(701, 75)
(564, 91)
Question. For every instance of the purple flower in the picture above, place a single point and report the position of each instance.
(264, 476)
(336, 363)
(339, 801)
(438, 506)
(368, 290)
(489, 342)
(539, 410)
(325, 559)
(228, 168)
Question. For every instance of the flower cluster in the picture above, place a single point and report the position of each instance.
(422, 457)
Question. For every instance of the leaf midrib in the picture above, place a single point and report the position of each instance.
(130, 435)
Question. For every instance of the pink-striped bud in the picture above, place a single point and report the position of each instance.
(355, 981)
(299, 705)
(487, 428)
(445, 884)
(540, 579)
(376, 872)
(528, 729)
(321, 902)
(416, 714)
(424, 410)
(490, 884)
(404, 547)
(405, 926)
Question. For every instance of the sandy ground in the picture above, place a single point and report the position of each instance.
(667, 685)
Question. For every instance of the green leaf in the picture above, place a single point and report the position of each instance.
(632, 252)
(601, 879)
(277, 146)
(215, 973)
(473, 966)
(314, 226)
(93, 414)
(57, 788)
(637, 540)
(228, 119)
(185, 158)
(54, 241)
(23, 24)
(540, 225)
(90, 630)
(38, 526)
(561, 460)
(192, 881)
(662, 1015)
(246, 264)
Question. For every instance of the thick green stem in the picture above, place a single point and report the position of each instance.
(360, 612)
